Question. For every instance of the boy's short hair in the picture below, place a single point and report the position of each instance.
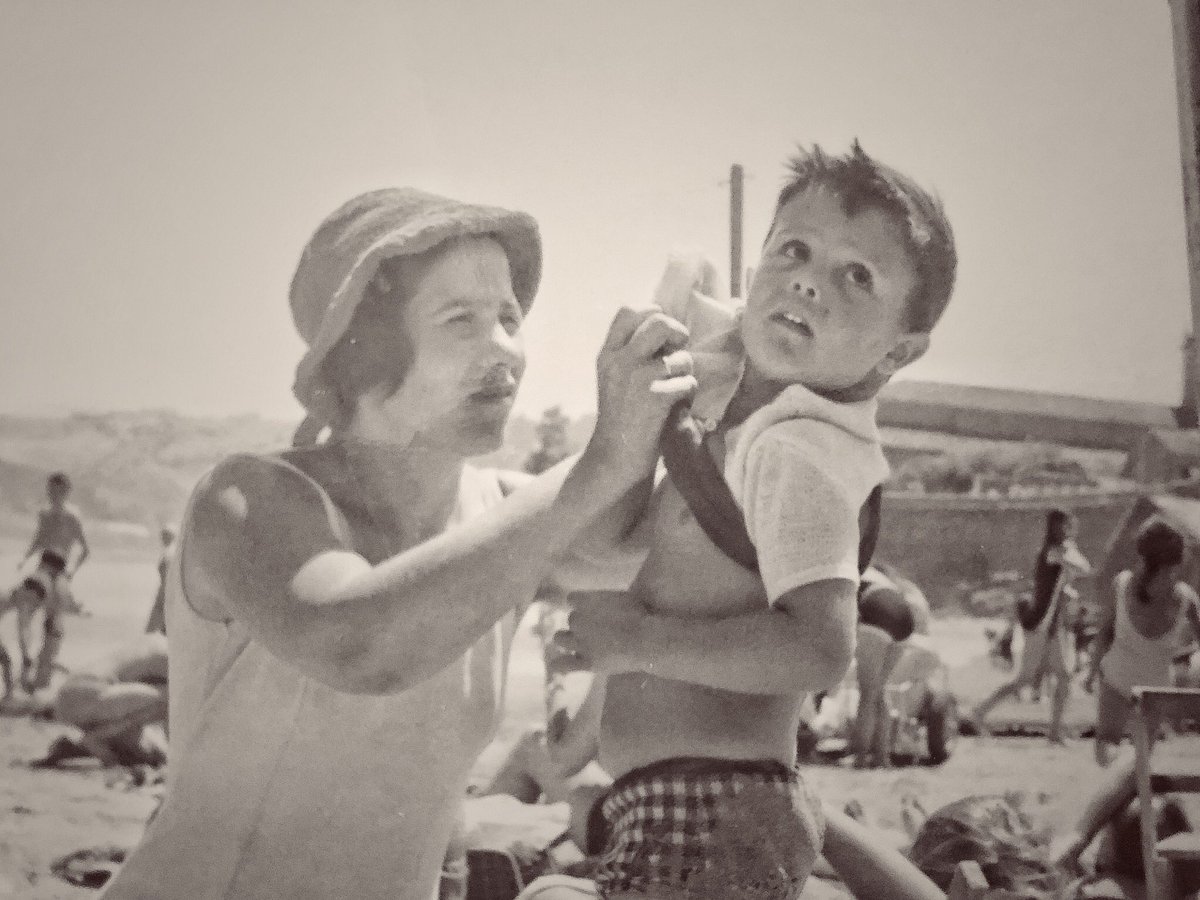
(861, 183)
(59, 480)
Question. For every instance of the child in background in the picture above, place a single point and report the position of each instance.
(59, 531)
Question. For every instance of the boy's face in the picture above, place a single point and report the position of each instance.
(827, 306)
(57, 493)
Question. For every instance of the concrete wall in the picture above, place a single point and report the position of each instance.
(942, 540)
(1010, 425)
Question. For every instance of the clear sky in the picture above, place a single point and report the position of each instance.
(162, 164)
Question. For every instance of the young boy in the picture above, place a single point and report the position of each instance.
(59, 530)
(707, 674)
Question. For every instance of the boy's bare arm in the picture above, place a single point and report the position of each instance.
(804, 643)
(39, 536)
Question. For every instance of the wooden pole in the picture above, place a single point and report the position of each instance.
(1185, 21)
(735, 230)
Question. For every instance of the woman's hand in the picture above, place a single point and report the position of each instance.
(642, 371)
(602, 630)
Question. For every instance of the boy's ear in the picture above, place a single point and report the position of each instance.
(909, 348)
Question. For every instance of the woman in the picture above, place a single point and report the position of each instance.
(340, 614)
(885, 623)
(1042, 623)
(1146, 621)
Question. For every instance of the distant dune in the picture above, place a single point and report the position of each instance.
(133, 470)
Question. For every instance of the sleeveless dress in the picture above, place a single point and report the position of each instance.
(281, 787)
(1134, 659)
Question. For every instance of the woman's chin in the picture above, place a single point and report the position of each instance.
(483, 433)
(480, 445)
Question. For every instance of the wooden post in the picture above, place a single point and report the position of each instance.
(735, 230)
(1185, 22)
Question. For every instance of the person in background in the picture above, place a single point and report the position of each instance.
(1149, 616)
(1044, 624)
(57, 536)
(119, 707)
(885, 622)
(157, 618)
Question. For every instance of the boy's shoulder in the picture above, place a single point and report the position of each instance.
(801, 417)
(796, 443)
(68, 513)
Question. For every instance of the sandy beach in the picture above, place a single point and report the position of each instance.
(47, 814)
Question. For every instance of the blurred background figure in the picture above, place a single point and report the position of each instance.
(885, 621)
(1150, 614)
(157, 621)
(119, 707)
(1045, 623)
(59, 533)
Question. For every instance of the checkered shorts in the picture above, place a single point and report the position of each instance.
(701, 828)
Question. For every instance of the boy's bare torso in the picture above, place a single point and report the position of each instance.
(58, 531)
(647, 718)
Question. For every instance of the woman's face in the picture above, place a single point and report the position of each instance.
(463, 325)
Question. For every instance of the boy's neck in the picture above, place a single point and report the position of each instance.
(863, 390)
(755, 391)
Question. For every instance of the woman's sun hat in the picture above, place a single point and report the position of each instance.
(344, 255)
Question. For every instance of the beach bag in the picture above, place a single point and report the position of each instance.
(993, 831)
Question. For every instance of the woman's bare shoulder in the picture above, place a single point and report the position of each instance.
(244, 486)
(255, 524)
(250, 508)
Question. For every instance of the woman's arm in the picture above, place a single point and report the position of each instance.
(381, 629)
